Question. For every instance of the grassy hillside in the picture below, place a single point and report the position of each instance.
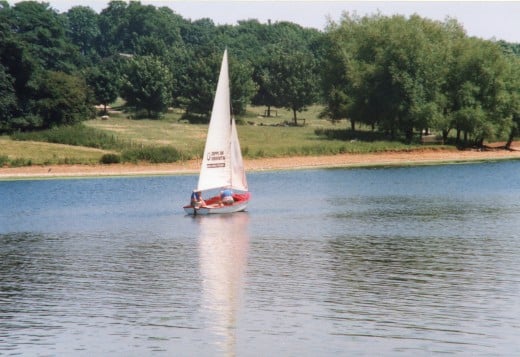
(172, 139)
(23, 153)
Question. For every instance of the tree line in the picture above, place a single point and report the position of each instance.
(414, 74)
(54, 66)
(399, 75)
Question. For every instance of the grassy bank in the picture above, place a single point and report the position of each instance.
(25, 153)
(171, 139)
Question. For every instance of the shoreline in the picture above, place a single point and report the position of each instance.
(399, 158)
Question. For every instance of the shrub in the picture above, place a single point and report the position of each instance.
(196, 118)
(260, 153)
(25, 123)
(110, 159)
(347, 135)
(3, 160)
(153, 154)
(20, 162)
(77, 135)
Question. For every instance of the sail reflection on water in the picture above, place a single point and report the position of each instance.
(223, 249)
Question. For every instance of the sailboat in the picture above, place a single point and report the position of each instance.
(222, 165)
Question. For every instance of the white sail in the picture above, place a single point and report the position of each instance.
(215, 170)
(238, 174)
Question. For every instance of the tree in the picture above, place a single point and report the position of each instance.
(257, 44)
(477, 87)
(513, 89)
(147, 21)
(199, 37)
(242, 86)
(199, 83)
(335, 84)
(415, 57)
(7, 100)
(292, 80)
(265, 94)
(147, 85)
(134, 28)
(357, 83)
(112, 21)
(104, 84)
(39, 26)
(83, 29)
(62, 99)
(19, 66)
(414, 74)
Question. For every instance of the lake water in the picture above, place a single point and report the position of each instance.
(389, 261)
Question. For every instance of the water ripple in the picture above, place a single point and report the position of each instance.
(412, 261)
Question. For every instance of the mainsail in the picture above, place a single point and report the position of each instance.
(215, 170)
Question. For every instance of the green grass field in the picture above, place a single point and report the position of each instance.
(24, 153)
(259, 137)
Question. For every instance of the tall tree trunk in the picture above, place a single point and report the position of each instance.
(392, 129)
(352, 124)
(295, 118)
(444, 136)
(409, 135)
(510, 138)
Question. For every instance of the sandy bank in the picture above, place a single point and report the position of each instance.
(418, 157)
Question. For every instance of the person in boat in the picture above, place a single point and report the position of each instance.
(196, 199)
(226, 197)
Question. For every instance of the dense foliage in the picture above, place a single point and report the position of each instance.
(149, 56)
(398, 75)
(404, 74)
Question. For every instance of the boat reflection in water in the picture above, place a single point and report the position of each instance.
(223, 249)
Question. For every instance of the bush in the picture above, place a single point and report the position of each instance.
(240, 121)
(25, 123)
(77, 135)
(193, 118)
(347, 135)
(153, 154)
(3, 160)
(110, 159)
(20, 162)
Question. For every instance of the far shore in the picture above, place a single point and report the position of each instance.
(400, 158)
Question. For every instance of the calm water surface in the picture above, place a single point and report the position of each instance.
(397, 261)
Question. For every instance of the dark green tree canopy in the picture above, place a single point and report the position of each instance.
(132, 28)
(7, 99)
(413, 74)
(291, 80)
(83, 29)
(43, 30)
(104, 83)
(400, 75)
(242, 85)
(147, 85)
(62, 99)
